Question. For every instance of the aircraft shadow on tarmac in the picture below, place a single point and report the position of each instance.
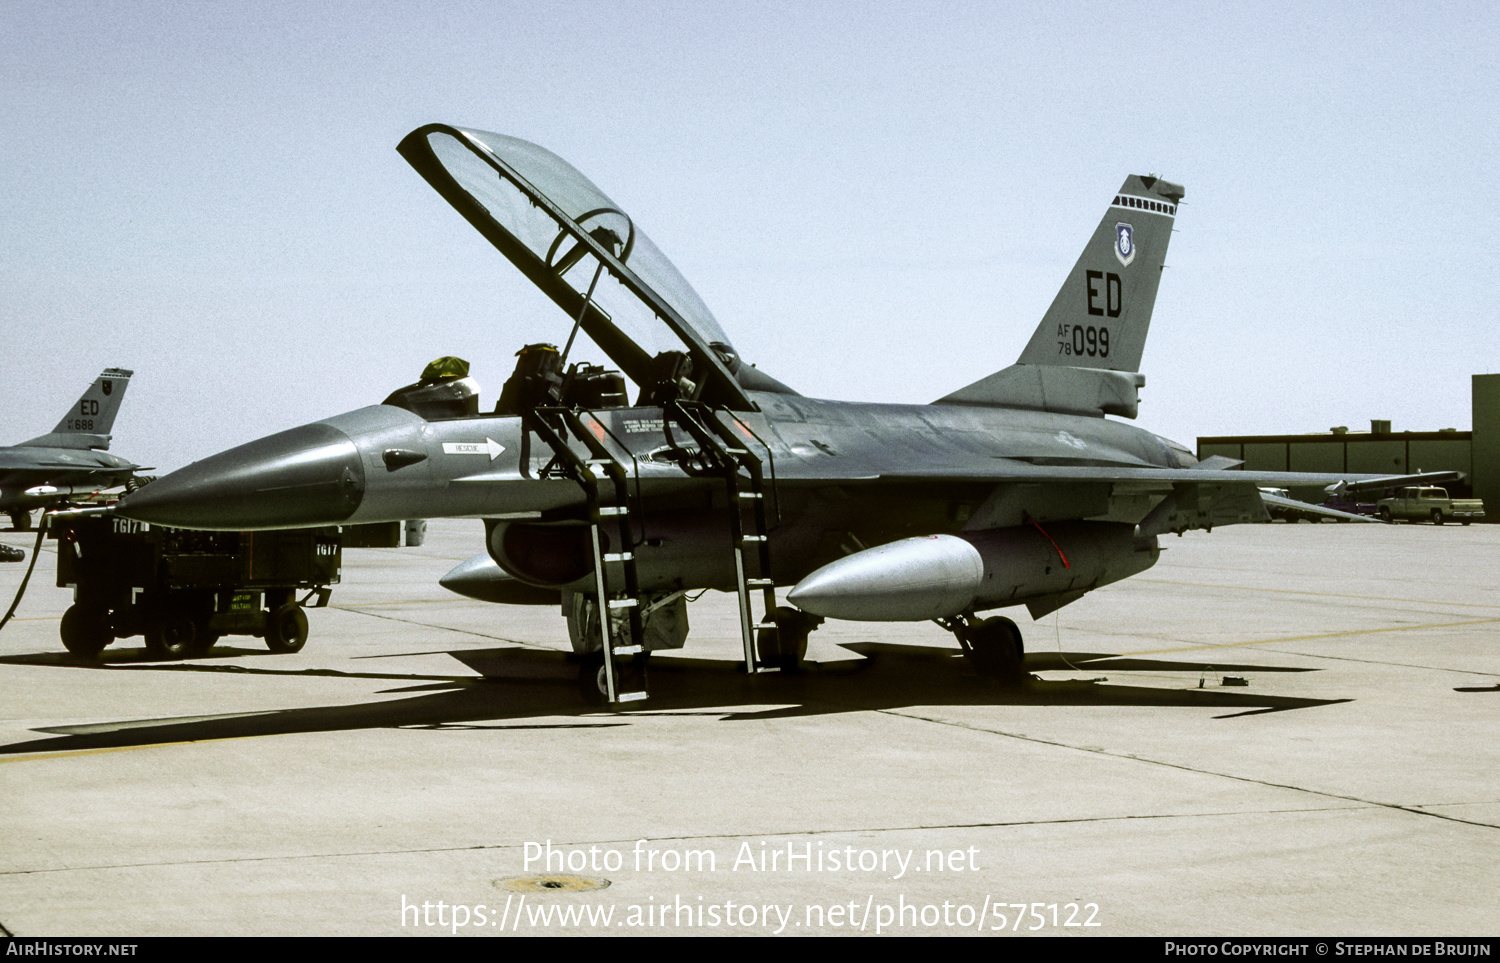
(521, 687)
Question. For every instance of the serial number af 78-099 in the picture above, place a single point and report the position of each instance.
(1078, 340)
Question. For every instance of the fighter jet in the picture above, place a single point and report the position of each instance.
(69, 460)
(1023, 488)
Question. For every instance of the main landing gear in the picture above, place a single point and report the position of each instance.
(994, 646)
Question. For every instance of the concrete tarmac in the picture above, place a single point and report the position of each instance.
(406, 772)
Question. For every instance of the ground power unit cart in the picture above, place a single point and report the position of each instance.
(184, 589)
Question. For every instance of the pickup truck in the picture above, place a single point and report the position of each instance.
(1430, 503)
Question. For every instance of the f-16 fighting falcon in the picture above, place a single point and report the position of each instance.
(71, 459)
(1015, 490)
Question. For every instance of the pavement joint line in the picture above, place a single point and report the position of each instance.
(356, 606)
(1005, 824)
(1321, 595)
(234, 668)
(1402, 665)
(445, 628)
(70, 753)
(1308, 638)
(1185, 768)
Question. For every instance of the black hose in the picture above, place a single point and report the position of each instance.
(36, 551)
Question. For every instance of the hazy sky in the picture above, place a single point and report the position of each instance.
(877, 200)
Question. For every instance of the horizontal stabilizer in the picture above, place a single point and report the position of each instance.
(1272, 500)
(1073, 391)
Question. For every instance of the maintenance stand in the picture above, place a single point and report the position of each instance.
(184, 589)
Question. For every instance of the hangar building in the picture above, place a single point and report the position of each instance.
(1382, 451)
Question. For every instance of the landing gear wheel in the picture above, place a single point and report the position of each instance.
(20, 520)
(1437, 516)
(173, 636)
(785, 646)
(286, 629)
(630, 676)
(996, 649)
(592, 684)
(85, 630)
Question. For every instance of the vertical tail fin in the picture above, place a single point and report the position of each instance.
(88, 423)
(1085, 355)
(1100, 317)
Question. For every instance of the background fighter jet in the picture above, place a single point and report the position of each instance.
(69, 460)
(1016, 489)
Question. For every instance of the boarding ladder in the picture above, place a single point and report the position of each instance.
(745, 481)
(616, 587)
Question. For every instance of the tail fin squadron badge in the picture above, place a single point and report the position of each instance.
(1124, 243)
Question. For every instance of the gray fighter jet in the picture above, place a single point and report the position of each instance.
(69, 460)
(1017, 489)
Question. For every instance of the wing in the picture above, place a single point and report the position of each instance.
(1190, 498)
(1010, 470)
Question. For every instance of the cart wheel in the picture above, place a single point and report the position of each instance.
(172, 636)
(286, 629)
(85, 630)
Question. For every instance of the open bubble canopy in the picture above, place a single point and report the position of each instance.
(581, 249)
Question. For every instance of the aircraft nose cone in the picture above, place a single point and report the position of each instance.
(310, 475)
